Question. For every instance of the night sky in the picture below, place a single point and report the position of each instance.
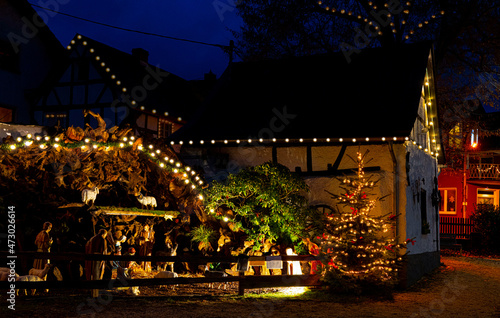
(203, 21)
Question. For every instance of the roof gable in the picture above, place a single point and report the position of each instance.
(322, 96)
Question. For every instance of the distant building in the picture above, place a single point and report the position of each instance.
(477, 180)
(123, 88)
(312, 113)
(28, 52)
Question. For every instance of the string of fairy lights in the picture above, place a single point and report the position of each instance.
(261, 141)
(116, 81)
(349, 242)
(155, 154)
(405, 11)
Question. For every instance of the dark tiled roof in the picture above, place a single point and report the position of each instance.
(376, 95)
(174, 94)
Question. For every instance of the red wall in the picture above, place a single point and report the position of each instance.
(450, 179)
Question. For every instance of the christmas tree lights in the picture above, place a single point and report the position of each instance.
(355, 245)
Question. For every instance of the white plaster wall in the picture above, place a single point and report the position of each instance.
(422, 171)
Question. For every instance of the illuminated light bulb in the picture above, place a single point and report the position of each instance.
(226, 219)
(367, 139)
(165, 113)
(108, 69)
(91, 50)
(200, 197)
(213, 141)
(327, 8)
(154, 111)
(162, 164)
(341, 140)
(98, 57)
(181, 142)
(124, 89)
(261, 140)
(287, 140)
(150, 146)
(38, 138)
(12, 147)
(249, 141)
(130, 143)
(179, 118)
(103, 64)
(301, 140)
(353, 139)
(140, 147)
(172, 161)
(383, 138)
(142, 107)
(190, 142)
(342, 11)
(442, 12)
(202, 142)
(158, 151)
(122, 145)
(113, 76)
(56, 145)
(238, 141)
(69, 47)
(19, 139)
(186, 181)
(177, 164)
(172, 142)
(132, 138)
(431, 123)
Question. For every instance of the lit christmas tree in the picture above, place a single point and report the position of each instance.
(358, 248)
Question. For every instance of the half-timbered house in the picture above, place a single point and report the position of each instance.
(123, 88)
(313, 113)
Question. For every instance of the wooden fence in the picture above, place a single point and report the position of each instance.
(244, 282)
(461, 228)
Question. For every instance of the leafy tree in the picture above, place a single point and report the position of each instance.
(486, 219)
(465, 33)
(266, 202)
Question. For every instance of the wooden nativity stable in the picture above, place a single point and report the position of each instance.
(43, 177)
(313, 113)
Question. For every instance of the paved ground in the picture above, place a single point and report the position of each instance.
(463, 287)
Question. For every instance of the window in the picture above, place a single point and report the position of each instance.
(55, 119)
(165, 128)
(448, 203)
(487, 196)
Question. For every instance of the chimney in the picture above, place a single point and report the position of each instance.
(141, 54)
(210, 77)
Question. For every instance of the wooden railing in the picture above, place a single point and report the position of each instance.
(244, 282)
(461, 228)
(484, 171)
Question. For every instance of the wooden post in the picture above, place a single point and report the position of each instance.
(241, 288)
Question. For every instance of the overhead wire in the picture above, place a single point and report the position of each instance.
(224, 47)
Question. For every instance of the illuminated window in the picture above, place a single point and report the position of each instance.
(455, 136)
(165, 128)
(448, 203)
(487, 196)
(55, 119)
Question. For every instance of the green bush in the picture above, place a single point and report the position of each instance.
(487, 222)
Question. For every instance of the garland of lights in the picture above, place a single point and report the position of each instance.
(116, 81)
(170, 164)
(406, 12)
(433, 152)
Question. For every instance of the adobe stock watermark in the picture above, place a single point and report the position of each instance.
(363, 37)
(248, 149)
(32, 25)
(448, 295)
(224, 6)
(138, 94)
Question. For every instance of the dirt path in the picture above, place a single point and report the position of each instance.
(464, 287)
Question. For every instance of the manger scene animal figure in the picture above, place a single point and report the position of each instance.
(90, 195)
(146, 201)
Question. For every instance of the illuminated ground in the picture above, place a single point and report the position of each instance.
(463, 287)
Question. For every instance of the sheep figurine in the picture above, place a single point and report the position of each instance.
(28, 278)
(167, 274)
(147, 201)
(4, 274)
(90, 195)
(42, 273)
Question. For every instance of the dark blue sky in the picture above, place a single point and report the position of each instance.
(204, 21)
